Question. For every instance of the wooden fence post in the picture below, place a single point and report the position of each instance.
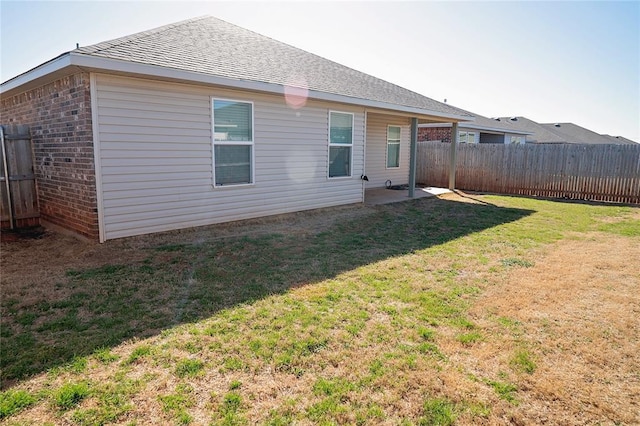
(452, 156)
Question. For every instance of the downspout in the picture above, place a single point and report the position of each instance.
(413, 153)
(97, 158)
(452, 157)
(363, 176)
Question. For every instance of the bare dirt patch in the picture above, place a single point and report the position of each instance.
(579, 307)
(44, 260)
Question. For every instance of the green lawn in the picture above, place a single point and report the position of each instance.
(358, 323)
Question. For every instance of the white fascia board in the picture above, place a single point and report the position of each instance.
(518, 132)
(190, 76)
(49, 67)
(95, 63)
(113, 65)
(437, 125)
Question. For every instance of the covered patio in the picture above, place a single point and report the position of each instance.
(384, 165)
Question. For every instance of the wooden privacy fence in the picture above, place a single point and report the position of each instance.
(583, 172)
(18, 196)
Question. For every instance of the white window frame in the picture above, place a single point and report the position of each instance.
(341, 145)
(399, 143)
(471, 135)
(466, 134)
(215, 142)
(517, 140)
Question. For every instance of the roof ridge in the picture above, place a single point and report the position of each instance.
(137, 36)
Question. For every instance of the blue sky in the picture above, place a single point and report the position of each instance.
(549, 61)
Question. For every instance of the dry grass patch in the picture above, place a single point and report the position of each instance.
(577, 312)
(442, 311)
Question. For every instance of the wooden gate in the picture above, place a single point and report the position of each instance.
(18, 193)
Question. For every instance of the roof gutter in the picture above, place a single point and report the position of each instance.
(98, 64)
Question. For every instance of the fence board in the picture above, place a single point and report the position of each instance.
(5, 214)
(19, 206)
(586, 172)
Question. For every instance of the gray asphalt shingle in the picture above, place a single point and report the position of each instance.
(539, 134)
(210, 46)
(560, 132)
(573, 133)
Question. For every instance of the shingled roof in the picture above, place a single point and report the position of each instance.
(537, 132)
(211, 46)
(572, 133)
(484, 124)
(560, 133)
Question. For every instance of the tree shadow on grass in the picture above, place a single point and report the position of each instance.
(179, 283)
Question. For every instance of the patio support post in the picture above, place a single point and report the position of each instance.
(452, 157)
(413, 153)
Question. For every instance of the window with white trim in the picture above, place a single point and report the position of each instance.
(517, 140)
(340, 143)
(393, 147)
(466, 137)
(471, 137)
(232, 142)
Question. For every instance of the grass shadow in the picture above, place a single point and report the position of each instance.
(179, 283)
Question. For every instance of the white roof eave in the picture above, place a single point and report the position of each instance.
(98, 64)
(49, 67)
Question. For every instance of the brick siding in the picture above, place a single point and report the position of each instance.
(434, 134)
(59, 115)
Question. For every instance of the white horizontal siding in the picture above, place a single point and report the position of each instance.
(376, 164)
(125, 225)
(140, 104)
(114, 115)
(147, 206)
(154, 139)
(154, 122)
(155, 157)
(121, 143)
(151, 180)
(157, 129)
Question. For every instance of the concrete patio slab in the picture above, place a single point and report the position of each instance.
(386, 196)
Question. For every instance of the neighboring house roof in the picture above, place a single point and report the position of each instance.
(620, 139)
(483, 124)
(537, 133)
(573, 133)
(560, 132)
(209, 47)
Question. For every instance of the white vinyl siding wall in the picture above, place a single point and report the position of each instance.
(155, 149)
(376, 164)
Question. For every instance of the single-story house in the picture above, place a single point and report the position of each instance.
(202, 122)
(481, 130)
(554, 133)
